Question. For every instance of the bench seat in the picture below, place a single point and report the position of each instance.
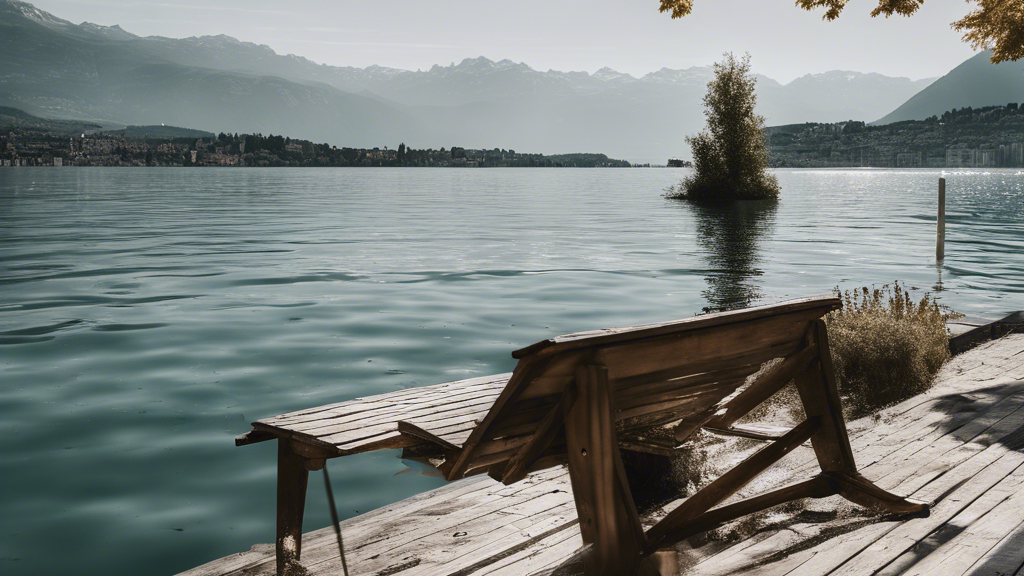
(451, 409)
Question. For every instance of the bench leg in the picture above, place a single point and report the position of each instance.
(609, 523)
(292, 477)
(820, 397)
(860, 490)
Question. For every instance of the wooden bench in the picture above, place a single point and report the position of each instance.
(577, 399)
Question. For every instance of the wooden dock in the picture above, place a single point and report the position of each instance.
(959, 446)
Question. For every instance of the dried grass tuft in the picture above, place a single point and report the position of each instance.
(885, 347)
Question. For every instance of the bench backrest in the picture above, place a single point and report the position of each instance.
(657, 373)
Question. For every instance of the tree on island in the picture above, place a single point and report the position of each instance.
(730, 156)
(997, 24)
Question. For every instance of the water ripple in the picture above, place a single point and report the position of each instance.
(148, 315)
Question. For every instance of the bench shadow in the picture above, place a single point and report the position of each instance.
(1007, 560)
(963, 410)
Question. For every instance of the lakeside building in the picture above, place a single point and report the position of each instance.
(24, 148)
(909, 160)
(982, 157)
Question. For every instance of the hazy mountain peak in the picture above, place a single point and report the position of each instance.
(853, 76)
(484, 64)
(32, 13)
(385, 71)
(114, 32)
(607, 74)
(478, 62)
(87, 29)
(692, 75)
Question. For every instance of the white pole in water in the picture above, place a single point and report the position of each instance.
(940, 223)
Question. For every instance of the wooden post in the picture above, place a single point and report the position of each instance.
(940, 223)
(291, 502)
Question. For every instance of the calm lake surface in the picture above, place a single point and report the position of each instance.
(147, 315)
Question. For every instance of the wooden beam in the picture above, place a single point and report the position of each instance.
(764, 387)
(415, 431)
(820, 398)
(609, 522)
(524, 371)
(728, 342)
(690, 424)
(824, 303)
(541, 439)
(817, 487)
(729, 483)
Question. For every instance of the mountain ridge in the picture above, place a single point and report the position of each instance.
(975, 83)
(219, 83)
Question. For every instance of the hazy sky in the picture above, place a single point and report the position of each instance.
(627, 35)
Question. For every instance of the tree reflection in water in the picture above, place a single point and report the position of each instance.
(730, 236)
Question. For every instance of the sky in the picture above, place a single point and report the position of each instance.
(629, 36)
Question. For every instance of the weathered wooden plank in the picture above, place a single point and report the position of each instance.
(856, 488)
(457, 528)
(677, 408)
(544, 555)
(397, 398)
(822, 304)
(961, 429)
(370, 527)
(515, 527)
(438, 408)
(690, 382)
(540, 440)
(752, 431)
(691, 370)
(343, 434)
(321, 427)
(904, 536)
(982, 471)
(718, 389)
(769, 336)
(971, 536)
(377, 543)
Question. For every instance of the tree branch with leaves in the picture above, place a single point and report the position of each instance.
(996, 24)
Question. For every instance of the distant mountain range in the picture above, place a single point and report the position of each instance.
(976, 83)
(52, 67)
(14, 118)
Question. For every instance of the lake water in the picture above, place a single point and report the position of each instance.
(147, 315)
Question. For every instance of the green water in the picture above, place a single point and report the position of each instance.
(146, 316)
